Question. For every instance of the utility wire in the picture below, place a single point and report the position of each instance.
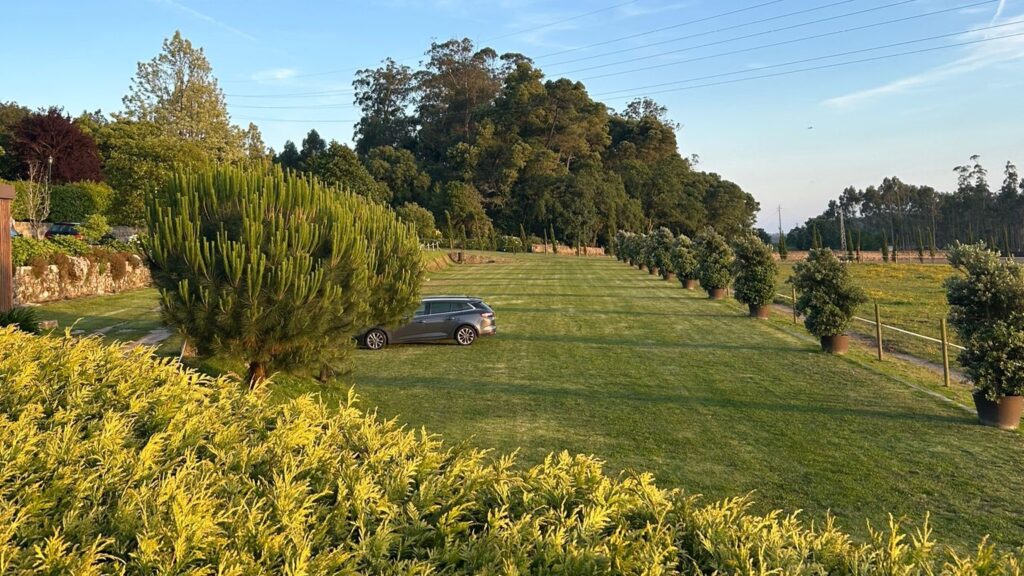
(705, 57)
(671, 27)
(821, 67)
(612, 94)
(733, 39)
(776, 44)
(508, 35)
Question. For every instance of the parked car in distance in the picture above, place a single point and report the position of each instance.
(63, 229)
(461, 318)
(14, 233)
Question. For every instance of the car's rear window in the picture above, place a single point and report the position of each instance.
(481, 306)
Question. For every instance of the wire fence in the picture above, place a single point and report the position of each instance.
(944, 344)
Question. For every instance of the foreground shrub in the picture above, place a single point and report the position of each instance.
(277, 269)
(826, 295)
(755, 271)
(714, 260)
(25, 249)
(986, 309)
(683, 259)
(22, 318)
(118, 463)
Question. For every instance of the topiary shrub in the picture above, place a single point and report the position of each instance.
(659, 247)
(275, 268)
(826, 294)
(120, 463)
(714, 260)
(755, 271)
(986, 309)
(22, 318)
(683, 259)
(77, 201)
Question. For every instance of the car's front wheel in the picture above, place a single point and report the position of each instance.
(465, 335)
(375, 339)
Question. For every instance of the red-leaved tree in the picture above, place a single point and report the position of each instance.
(42, 135)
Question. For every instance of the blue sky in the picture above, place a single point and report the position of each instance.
(793, 140)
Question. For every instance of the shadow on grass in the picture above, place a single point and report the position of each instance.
(635, 343)
(730, 408)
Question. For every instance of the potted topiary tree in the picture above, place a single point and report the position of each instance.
(661, 242)
(648, 253)
(755, 271)
(986, 309)
(827, 298)
(714, 263)
(683, 261)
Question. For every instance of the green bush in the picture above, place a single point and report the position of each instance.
(420, 218)
(70, 245)
(986, 309)
(116, 462)
(755, 271)
(24, 249)
(24, 319)
(683, 259)
(77, 201)
(714, 260)
(658, 251)
(94, 228)
(275, 268)
(826, 295)
(513, 244)
(18, 209)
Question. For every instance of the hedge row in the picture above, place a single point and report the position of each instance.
(114, 462)
(40, 254)
(68, 202)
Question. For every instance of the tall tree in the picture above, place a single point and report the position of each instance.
(397, 168)
(385, 96)
(178, 92)
(11, 114)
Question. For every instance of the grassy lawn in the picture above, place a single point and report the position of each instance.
(595, 357)
(910, 296)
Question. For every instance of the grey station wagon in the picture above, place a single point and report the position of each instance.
(461, 318)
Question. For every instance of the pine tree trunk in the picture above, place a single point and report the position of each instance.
(257, 373)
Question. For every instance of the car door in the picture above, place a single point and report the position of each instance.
(411, 328)
(436, 320)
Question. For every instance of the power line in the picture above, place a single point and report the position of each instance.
(562, 21)
(711, 56)
(727, 40)
(780, 43)
(663, 28)
(771, 75)
(821, 67)
(508, 35)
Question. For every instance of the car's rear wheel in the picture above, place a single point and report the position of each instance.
(465, 335)
(375, 339)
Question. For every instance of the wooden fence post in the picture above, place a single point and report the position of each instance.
(796, 319)
(878, 331)
(945, 353)
(6, 264)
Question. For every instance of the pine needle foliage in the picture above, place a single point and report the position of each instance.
(275, 268)
(115, 462)
(755, 271)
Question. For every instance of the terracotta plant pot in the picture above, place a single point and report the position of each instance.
(838, 344)
(760, 312)
(690, 284)
(716, 293)
(652, 270)
(1004, 413)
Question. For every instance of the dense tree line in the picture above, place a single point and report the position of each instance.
(484, 141)
(911, 217)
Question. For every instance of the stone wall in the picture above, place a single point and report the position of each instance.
(79, 277)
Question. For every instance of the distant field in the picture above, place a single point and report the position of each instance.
(909, 295)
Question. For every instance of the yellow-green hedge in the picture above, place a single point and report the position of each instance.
(117, 463)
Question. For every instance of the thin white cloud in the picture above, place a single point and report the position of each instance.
(205, 18)
(274, 75)
(978, 57)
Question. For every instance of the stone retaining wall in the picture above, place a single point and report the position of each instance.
(79, 278)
